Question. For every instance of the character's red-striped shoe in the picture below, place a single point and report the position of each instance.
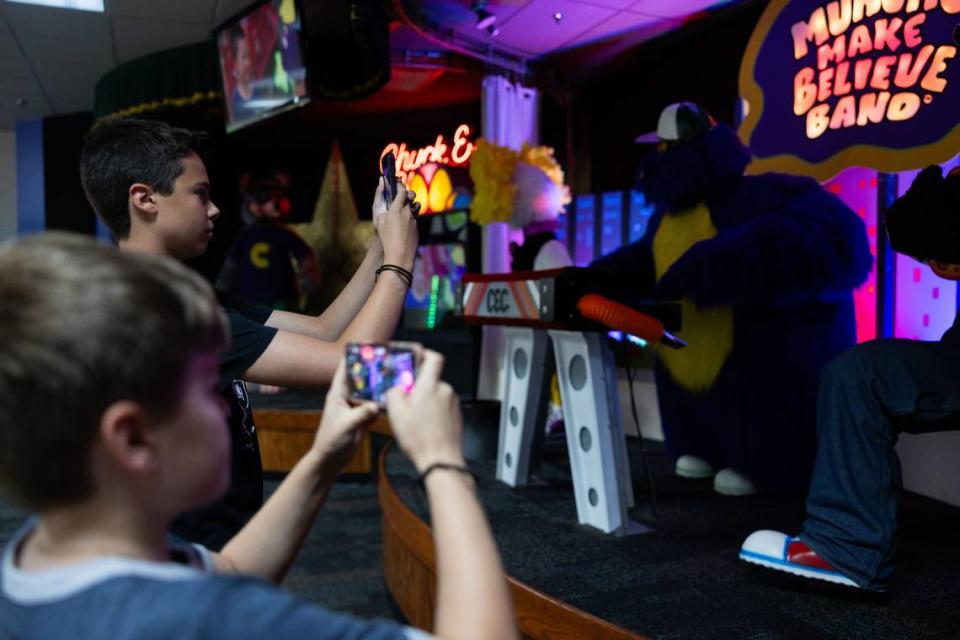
(779, 551)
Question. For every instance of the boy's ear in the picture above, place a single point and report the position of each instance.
(143, 199)
(946, 270)
(127, 437)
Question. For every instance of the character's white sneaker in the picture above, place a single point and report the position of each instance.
(778, 551)
(693, 467)
(732, 483)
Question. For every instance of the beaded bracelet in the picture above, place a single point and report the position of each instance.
(450, 467)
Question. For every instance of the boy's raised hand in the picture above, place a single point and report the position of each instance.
(343, 424)
(426, 421)
(396, 226)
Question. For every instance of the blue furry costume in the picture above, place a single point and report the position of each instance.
(765, 266)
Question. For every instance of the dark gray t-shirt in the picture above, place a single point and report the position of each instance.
(121, 598)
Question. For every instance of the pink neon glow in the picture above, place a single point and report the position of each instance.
(925, 304)
(851, 186)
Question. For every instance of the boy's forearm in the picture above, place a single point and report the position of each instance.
(473, 598)
(330, 324)
(337, 317)
(269, 543)
(377, 320)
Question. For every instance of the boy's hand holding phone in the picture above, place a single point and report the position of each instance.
(395, 223)
(343, 424)
(427, 422)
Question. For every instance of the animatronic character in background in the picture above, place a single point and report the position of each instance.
(525, 189)
(765, 267)
(269, 262)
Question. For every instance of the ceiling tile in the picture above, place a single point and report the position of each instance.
(610, 4)
(43, 51)
(61, 24)
(675, 8)
(135, 37)
(195, 11)
(624, 23)
(533, 29)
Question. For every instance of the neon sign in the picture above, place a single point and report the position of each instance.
(456, 154)
(427, 171)
(852, 82)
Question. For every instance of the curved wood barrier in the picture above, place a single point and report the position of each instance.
(409, 567)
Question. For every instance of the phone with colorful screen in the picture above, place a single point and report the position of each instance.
(374, 369)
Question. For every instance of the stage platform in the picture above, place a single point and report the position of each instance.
(683, 579)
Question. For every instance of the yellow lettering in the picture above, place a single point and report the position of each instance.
(841, 82)
(864, 9)
(817, 121)
(838, 16)
(903, 106)
(872, 108)
(911, 30)
(804, 91)
(814, 30)
(907, 76)
(825, 85)
(860, 41)
(880, 79)
(833, 52)
(932, 80)
(886, 34)
(845, 114)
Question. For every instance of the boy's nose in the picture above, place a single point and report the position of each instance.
(214, 212)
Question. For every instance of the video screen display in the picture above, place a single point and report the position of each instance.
(436, 277)
(374, 369)
(261, 66)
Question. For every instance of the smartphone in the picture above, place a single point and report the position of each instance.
(374, 369)
(388, 169)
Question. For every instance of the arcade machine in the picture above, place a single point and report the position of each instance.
(575, 307)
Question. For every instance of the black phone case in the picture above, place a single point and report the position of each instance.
(389, 171)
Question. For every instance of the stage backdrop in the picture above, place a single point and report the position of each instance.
(869, 83)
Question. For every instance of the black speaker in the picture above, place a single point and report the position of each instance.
(346, 45)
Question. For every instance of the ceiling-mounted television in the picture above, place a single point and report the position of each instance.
(261, 62)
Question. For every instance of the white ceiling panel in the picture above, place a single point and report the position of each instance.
(43, 51)
(534, 30)
(674, 8)
(621, 24)
(61, 24)
(135, 37)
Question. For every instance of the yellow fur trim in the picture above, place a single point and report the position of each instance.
(708, 331)
(491, 169)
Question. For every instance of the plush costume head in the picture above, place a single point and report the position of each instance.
(694, 158)
(520, 188)
(925, 222)
(266, 199)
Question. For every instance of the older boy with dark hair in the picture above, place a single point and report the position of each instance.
(106, 458)
(868, 396)
(148, 183)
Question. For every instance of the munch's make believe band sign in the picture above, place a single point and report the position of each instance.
(873, 83)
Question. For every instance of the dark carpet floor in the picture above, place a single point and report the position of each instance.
(340, 564)
(685, 581)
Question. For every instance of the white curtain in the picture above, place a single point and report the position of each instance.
(510, 118)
